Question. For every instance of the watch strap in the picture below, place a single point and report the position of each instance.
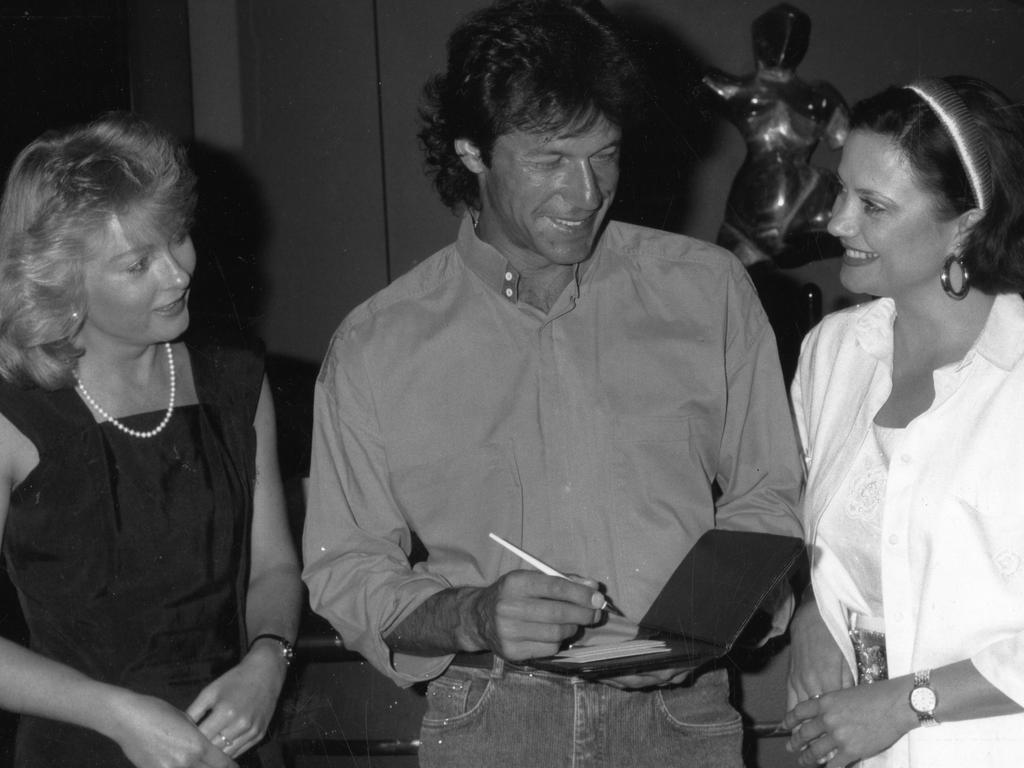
(287, 648)
(922, 679)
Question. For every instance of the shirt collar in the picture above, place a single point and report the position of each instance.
(1001, 341)
(487, 263)
(873, 329)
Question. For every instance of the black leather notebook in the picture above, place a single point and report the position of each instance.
(699, 614)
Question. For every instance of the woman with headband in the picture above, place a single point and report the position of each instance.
(910, 649)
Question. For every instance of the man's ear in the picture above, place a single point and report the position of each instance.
(469, 153)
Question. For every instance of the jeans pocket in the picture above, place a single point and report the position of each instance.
(700, 709)
(455, 699)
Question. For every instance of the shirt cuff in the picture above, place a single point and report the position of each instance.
(405, 668)
(410, 669)
(1000, 664)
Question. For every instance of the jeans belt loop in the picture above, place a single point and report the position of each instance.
(498, 670)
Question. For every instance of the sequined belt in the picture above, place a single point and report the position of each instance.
(868, 636)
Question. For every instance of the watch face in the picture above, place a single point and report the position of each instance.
(922, 700)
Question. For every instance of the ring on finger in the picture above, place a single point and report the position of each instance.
(825, 758)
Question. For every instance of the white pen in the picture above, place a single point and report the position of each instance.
(544, 568)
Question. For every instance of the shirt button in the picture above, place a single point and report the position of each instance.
(894, 539)
(905, 458)
(508, 292)
(508, 275)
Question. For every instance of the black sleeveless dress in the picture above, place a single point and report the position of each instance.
(130, 556)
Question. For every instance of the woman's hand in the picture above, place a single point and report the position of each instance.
(816, 663)
(234, 710)
(153, 734)
(839, 728)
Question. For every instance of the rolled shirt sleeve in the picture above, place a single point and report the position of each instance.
(1000, 664)
(356, 544)
(759, 471)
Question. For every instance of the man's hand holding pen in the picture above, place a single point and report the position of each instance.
(540, 565)
(525, 614)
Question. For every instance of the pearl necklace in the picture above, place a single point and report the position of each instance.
(128, 430)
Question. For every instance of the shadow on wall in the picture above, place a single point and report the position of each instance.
(230, 292)
(230, 235)
(658, 161)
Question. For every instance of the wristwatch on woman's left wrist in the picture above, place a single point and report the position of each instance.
(923, 698)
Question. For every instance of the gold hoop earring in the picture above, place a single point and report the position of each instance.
(947, 283)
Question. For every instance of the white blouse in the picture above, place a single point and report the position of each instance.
(855, 526)
(952, 536)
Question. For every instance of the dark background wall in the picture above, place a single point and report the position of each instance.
(329, 118)
(303, 119)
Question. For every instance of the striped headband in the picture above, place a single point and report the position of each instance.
(956, 118)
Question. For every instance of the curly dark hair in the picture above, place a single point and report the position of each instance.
(993, 249)
(529, 65)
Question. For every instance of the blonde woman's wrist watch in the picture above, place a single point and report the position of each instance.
(923, 698)
(287, 649)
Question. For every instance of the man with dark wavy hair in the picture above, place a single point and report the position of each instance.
(598, 393)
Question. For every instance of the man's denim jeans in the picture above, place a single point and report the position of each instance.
(511, 716)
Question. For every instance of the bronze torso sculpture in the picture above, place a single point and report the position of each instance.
(777, 195)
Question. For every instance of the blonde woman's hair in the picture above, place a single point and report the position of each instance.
(63, 191)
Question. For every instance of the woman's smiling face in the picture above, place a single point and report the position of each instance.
(894, 241)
